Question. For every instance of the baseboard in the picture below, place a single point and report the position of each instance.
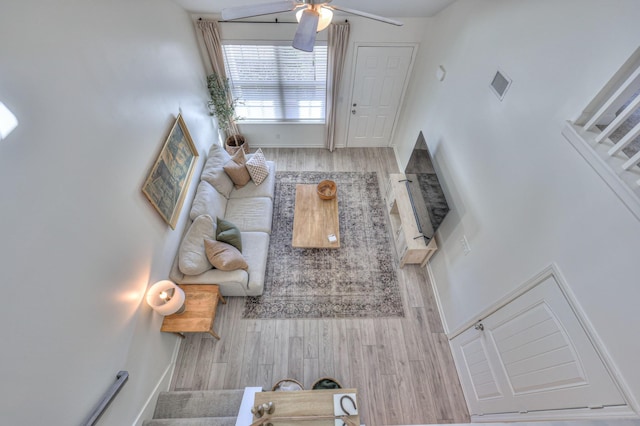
(293, 145)
(436, 296)
(146, 412)
(288, 145)
(584, 414)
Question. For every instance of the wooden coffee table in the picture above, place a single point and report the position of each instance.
(314, 219)
(199, 313)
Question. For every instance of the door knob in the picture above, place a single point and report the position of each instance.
(479, 326)
(353, 111)
(355, 104)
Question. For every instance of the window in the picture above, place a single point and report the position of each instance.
(277, 83)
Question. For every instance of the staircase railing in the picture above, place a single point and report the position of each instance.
(607, 131)
(110, 394)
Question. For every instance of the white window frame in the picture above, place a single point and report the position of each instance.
(276, 120)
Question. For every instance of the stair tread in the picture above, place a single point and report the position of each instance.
(197, 404)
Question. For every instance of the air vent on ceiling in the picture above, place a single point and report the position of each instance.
(500, 84)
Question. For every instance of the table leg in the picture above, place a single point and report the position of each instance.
(214, 334)
(222, 299)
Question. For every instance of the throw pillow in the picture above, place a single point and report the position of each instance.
(239, 157)
(192, 258)
(228, 233)
(213, 171)
(207, 201)
(257, 166)
(224, 256)
(236, 169)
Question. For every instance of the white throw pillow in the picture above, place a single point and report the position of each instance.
(208, 201)
(213, 171)
(257, 166)
(192, 257)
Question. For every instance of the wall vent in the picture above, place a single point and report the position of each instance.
(500, 84)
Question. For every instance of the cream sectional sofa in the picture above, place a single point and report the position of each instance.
(250, 208)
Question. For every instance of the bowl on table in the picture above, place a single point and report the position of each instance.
(327, 190)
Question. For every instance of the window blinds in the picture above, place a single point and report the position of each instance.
(277, 83)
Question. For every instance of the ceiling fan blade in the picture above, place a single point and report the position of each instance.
(239, 12)
(305, 37)
(366, 15)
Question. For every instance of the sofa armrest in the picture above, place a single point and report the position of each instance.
(231, 283)
(175, 274)
(216, 276)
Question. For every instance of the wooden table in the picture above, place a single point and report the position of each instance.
(306, 403)
(314, 219)
(199, 313)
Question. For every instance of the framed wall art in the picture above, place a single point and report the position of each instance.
(168, 181)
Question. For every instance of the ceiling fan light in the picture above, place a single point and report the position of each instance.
(325, 18)
(326, 15)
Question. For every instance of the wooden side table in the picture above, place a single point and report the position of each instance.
(199, 313)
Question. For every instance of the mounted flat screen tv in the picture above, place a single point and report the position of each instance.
(425, 192)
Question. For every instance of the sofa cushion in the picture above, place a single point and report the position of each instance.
(237, 170)
(192, 258)
(224, 256)
(213, 171)
(250, 214)
(257, 166)
(265, 189)
(208, 201)
(228, 233)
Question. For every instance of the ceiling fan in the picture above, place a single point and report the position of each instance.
(313, 16)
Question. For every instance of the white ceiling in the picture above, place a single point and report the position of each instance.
(387, 8)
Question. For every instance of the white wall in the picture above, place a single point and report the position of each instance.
(518, 191)
(96, 87)
(362, 31)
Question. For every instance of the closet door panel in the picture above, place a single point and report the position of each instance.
(478, 375)
(539, 355)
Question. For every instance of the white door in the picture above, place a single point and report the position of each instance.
(532, 355)
(381, 74)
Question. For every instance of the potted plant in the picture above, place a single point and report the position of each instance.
(223, 106)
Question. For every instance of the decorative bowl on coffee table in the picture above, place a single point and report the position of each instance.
(327, 190)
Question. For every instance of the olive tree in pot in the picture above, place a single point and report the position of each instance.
(223, 106)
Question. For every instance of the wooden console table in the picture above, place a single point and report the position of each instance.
(304, 408)
(201, 302)
(408, 241)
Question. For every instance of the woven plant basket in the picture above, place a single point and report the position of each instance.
(287, 383)
(231, 147)
(326, 383)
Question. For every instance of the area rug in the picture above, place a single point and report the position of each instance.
(358, 280)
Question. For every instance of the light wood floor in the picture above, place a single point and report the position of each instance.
(402, 367)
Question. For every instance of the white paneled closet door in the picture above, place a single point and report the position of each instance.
(532, 355)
